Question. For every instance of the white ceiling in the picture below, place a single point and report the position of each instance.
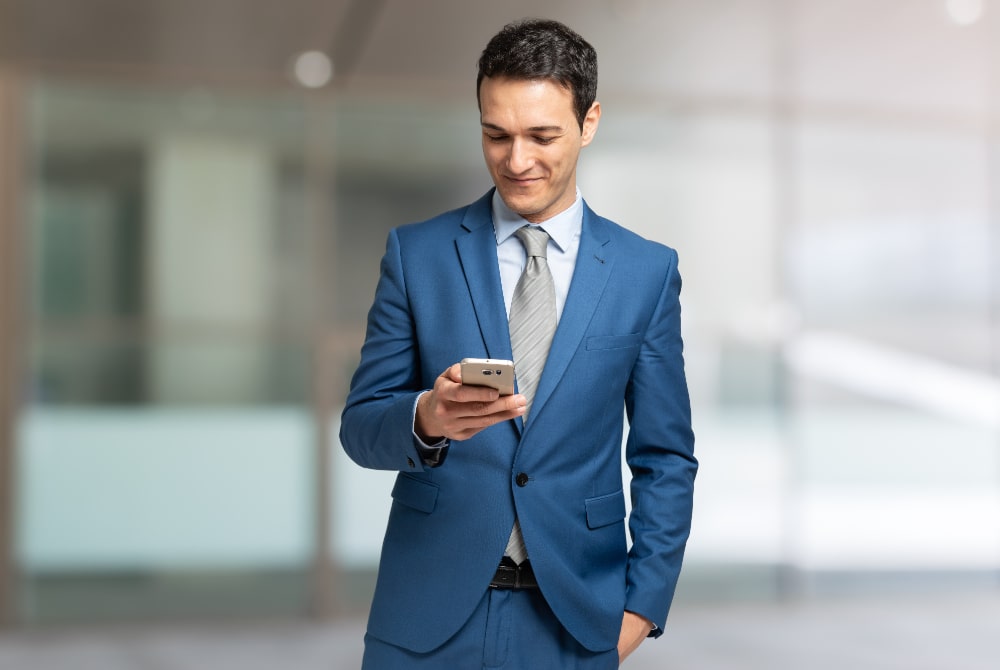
(891, 54)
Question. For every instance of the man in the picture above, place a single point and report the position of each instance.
(506, 544)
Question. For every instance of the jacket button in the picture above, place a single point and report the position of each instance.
(521, 479)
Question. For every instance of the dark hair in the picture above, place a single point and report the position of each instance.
(543, 49)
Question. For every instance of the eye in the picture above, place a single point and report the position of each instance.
(545, 140)
(496, 138)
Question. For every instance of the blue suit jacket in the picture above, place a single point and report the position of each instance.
(618, 344)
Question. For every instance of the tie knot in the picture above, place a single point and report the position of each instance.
(534, 239)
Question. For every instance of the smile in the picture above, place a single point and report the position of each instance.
(523, 181)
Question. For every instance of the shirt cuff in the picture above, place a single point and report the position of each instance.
(432, 455)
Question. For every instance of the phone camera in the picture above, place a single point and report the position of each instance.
(487, 372)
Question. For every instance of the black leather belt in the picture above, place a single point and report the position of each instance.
(512, 576)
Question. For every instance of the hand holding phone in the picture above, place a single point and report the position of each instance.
(494, 372)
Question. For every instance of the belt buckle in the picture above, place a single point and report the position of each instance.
(507, 577)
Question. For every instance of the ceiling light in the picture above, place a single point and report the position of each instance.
(964, 12)
(313, 69)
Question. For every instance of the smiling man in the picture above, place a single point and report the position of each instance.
(531, 142)
(506, 544)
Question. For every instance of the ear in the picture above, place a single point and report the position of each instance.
(590, 123)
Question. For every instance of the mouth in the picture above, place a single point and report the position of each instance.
(523, 181)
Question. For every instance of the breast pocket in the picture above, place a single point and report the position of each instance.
(603, 342)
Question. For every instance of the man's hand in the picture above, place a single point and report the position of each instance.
(635, 629)
(459, 411)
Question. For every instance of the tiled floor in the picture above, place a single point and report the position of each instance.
(912, 633)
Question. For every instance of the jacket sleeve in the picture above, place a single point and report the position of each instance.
(376, 428)
(660, 454)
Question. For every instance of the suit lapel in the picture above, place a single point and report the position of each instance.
(594, 262)
(477, 252)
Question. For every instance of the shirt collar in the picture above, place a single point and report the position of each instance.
(561, 227)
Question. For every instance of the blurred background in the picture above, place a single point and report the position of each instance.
(194, 197)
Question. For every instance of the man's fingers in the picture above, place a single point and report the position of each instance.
(468, 426)
(475, 394)
(497, 404)
(513, 403)
(467, 419)
(454, 373)
(449, 381)
(450, 387)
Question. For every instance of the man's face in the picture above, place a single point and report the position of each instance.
(531, 142)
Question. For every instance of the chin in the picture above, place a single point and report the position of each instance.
(520, 204)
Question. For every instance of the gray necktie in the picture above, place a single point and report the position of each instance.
(532, 324)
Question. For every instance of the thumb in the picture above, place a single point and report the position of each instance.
(454, 373)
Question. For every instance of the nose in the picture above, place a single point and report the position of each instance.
(521, 158)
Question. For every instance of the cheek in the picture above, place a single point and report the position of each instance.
(494, 156)
(564, 162)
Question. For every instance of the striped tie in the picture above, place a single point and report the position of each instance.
(532, 325)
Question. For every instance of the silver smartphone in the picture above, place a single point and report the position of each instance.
(494, 372)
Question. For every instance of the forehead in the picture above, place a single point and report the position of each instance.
(524, 98)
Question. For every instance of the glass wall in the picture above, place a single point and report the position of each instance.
(166, 449)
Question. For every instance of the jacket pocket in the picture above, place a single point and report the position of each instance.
(614, 341)
(415, 493)
(605, 510)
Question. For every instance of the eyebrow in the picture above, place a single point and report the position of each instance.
(534, 129)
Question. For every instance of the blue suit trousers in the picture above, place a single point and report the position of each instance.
(509, 630)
